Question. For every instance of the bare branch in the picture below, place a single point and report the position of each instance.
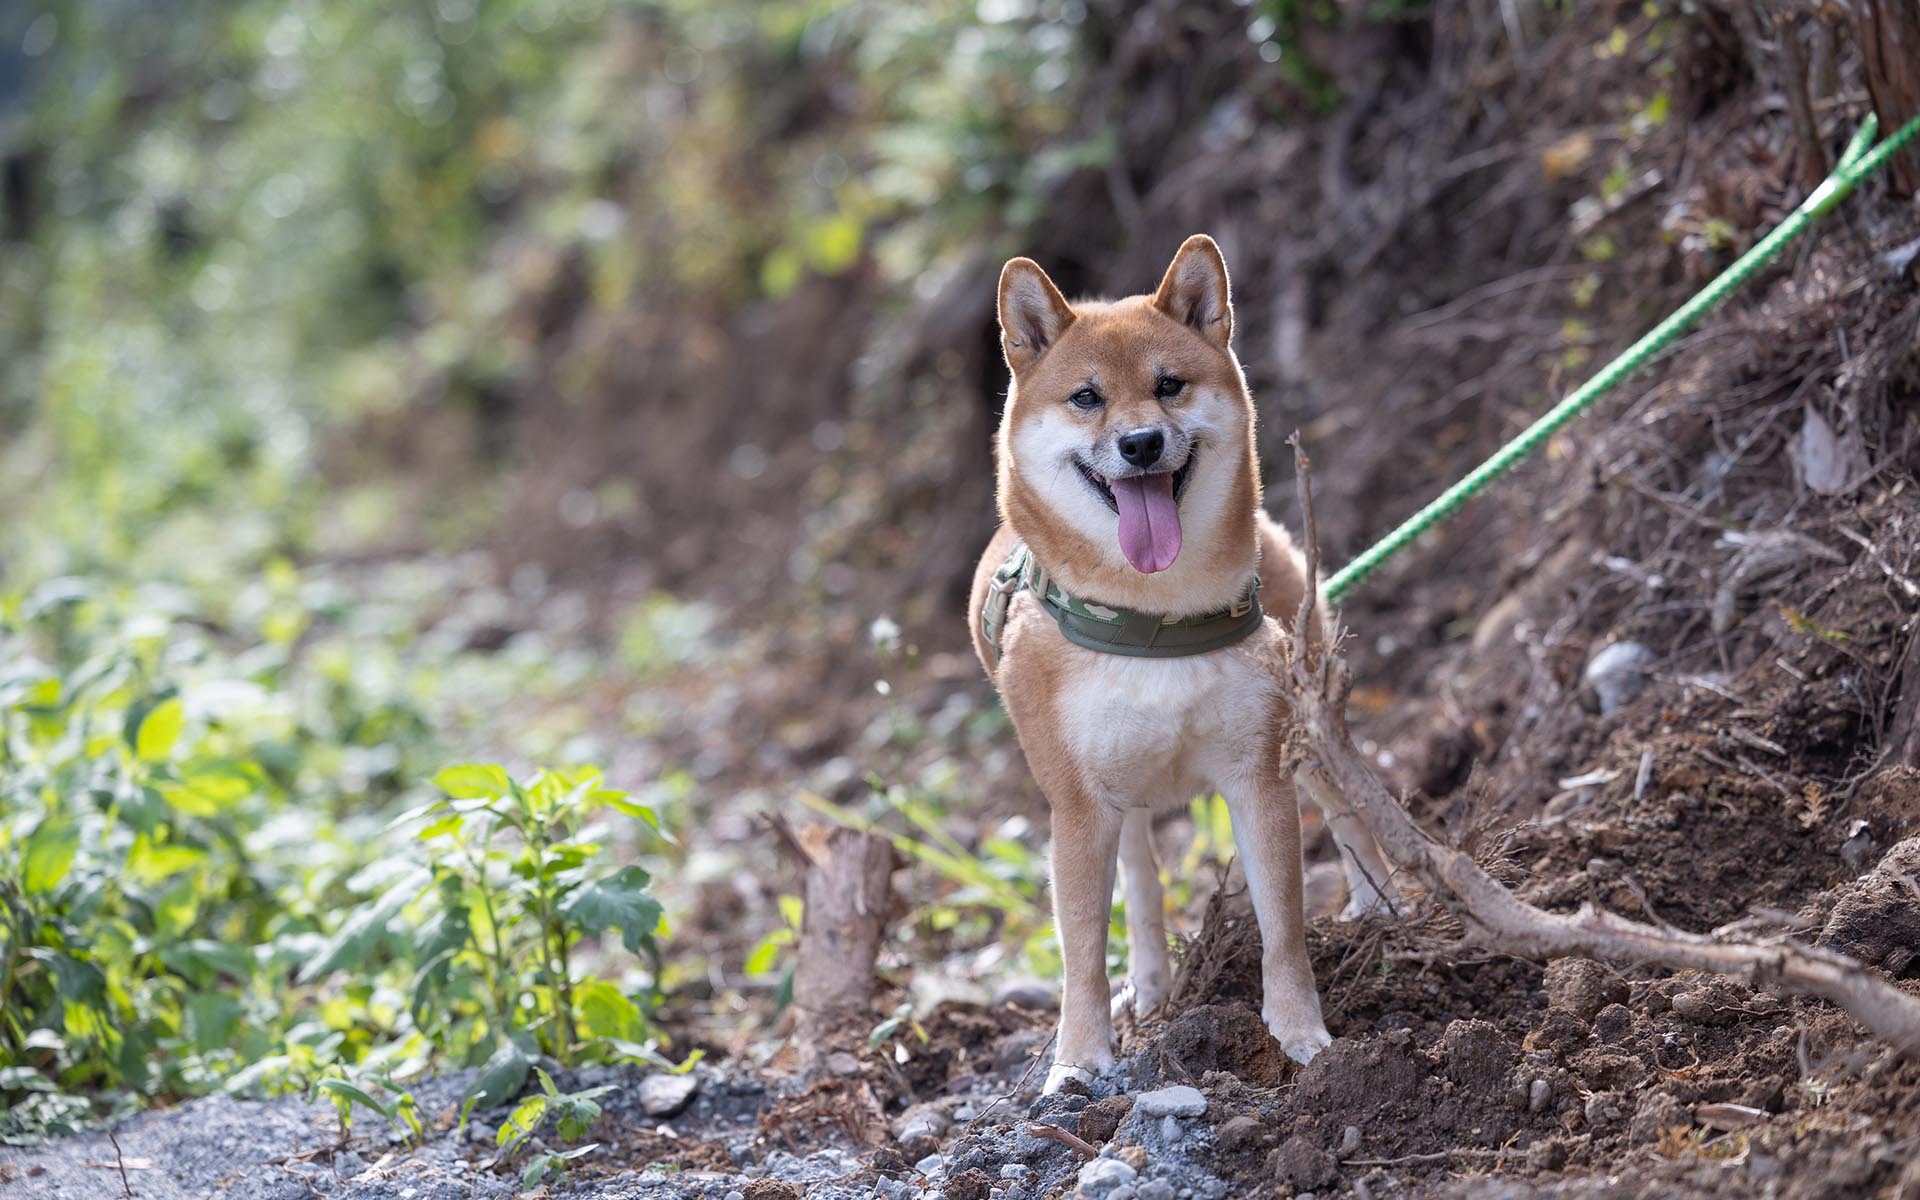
(1496, 919)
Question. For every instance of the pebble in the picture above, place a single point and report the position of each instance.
(1619, 673)
(1013, 1171)
(1350, 1141)
(1025, 992)
(1102, 1175)
(1538, 1094)
(736, 1194)
(842, 1063)
(1170, 1128)
(1180, 1101)
(1154, 1189)
(665, 1095)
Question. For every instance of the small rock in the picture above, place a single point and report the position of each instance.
(1154, 1189)
(1582, 987)
(664, 1095)
(1241, 1132)
(1025, 992)
(1125, 1191)
(1170, 1129)
(1350, 1141)
(842, 1063)
(919, 1130)
(1013, 1171)
(1179, 1101)
(930, 1165)
(1538, 1094)
(1619, 673)
(1102, 1175)
(1298, 1163)
(737, 1194)
(480, 1131)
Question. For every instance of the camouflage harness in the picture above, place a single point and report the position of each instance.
(1113, 630)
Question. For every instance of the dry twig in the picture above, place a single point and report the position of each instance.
(1496, 919)
(1054, 1133)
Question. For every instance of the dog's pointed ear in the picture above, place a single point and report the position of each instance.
(1033, 313)
(1194, 291)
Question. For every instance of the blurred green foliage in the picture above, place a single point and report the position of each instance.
(249, 249)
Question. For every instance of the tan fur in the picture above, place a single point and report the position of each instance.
(1111, 739)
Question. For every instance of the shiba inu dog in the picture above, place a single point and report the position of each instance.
(1119, 611)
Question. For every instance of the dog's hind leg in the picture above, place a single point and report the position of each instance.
(1370, 886)
(1086, 841)
(1266, 824)
(1148, 969)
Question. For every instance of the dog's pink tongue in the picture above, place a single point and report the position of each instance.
(1149, 521)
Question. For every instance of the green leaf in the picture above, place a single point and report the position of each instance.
(361, 932)
(605, 1012)
(160, 730)
(764, 955)
(49, 855)
(521, 1122)
(473, 782)
(619, 900)
(341, 1089)
(503, 1076)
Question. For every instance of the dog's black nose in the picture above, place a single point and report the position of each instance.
(1142, 447)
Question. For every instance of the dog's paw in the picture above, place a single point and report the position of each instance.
(1301, 1042)
(1059, 1073)
(1137, 1001)
(1365, 902)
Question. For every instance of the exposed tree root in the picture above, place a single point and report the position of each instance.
(1498, 920)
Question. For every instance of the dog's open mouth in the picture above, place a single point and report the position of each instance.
(1148, 506)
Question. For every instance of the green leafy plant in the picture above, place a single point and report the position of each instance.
(512, 889)
(573, 1115)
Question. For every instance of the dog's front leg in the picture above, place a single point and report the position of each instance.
(1086, 842)
(1266, 825)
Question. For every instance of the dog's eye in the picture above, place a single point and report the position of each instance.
(1086, 397)
(1169, 386)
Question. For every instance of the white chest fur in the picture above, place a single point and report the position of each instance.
(1155, 732)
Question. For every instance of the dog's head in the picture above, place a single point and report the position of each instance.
(1126, 448)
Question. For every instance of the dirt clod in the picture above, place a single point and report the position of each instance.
(973, 1184)
(1477, 1056)
(1099, 1119)
(1583, 987)
(773, 1189)
(1223, 1037)
(1298, 1164)
(1877, 919)
(1354, 1078)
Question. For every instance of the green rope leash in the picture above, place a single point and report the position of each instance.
(1856, 163)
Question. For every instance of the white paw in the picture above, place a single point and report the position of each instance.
(1365, 903)
(1138, 999)
(1059, 1073)
(1301, 1042)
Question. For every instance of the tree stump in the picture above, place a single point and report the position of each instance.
(849, 901)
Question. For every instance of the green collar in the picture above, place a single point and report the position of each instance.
(1113, 630)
